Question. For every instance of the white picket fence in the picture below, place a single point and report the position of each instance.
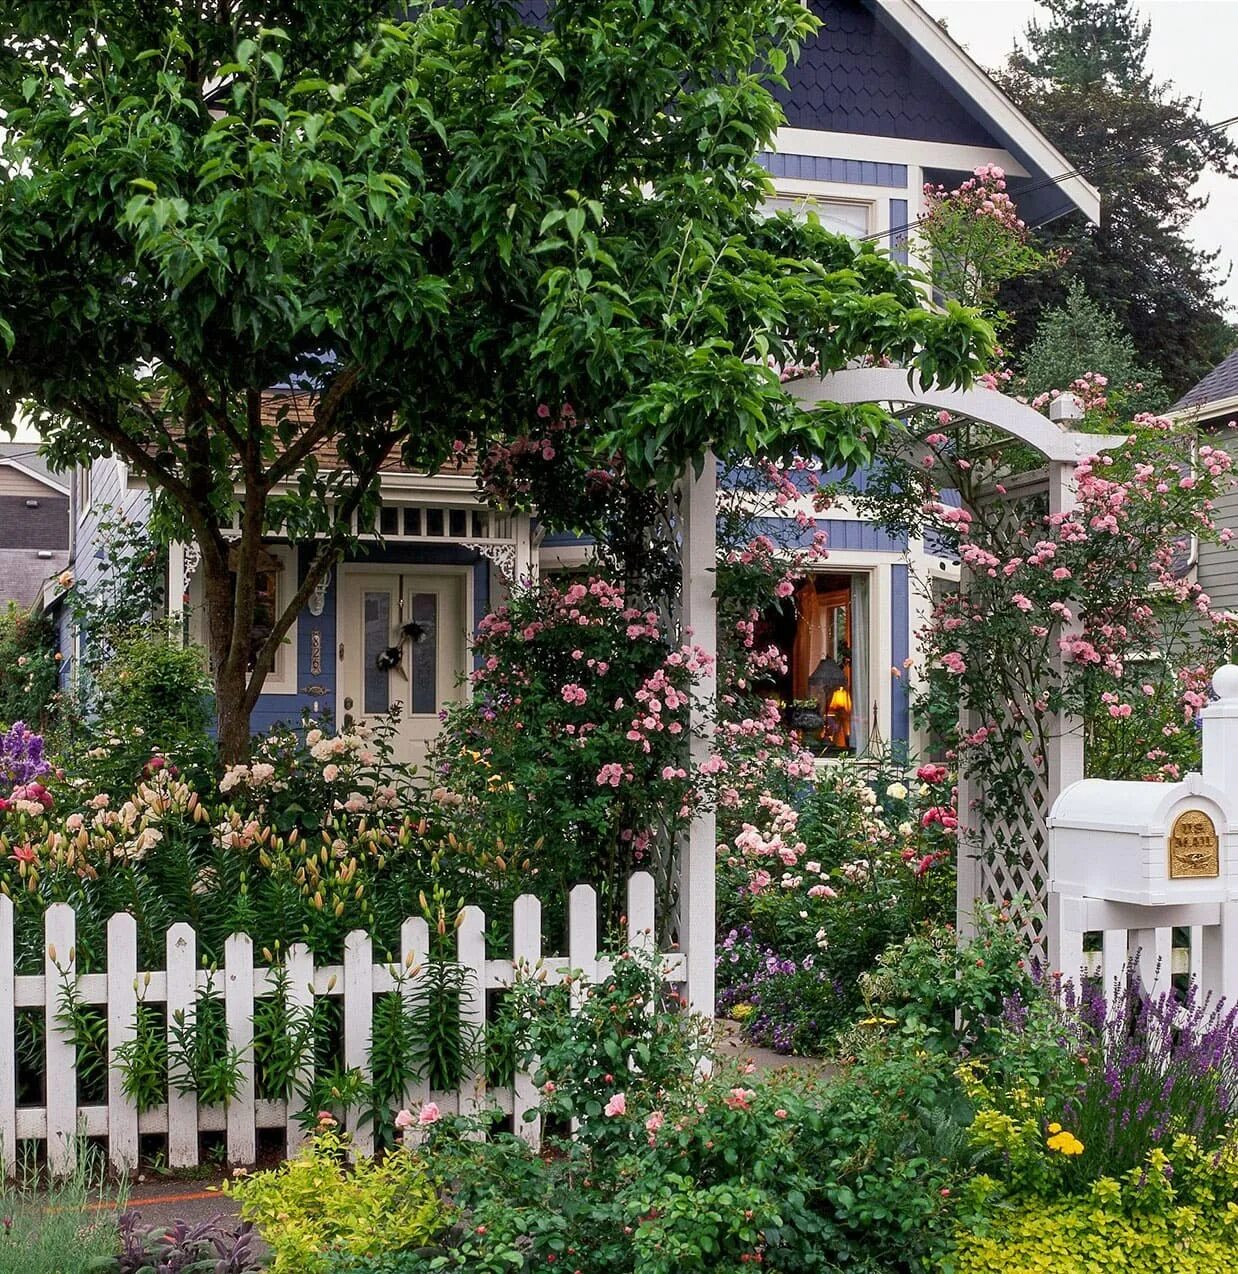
(61, 1120)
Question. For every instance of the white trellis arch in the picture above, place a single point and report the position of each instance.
(984, 875)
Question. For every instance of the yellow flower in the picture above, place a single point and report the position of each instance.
(1065, 1143)
(742, 1012)
(1055, 1127)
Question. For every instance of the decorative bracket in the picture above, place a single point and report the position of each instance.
(193, 559)
(502, 555)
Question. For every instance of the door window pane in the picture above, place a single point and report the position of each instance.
(423, 650)
(376, 696)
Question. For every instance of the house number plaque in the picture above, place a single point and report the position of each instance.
(1194, 848)
(316, 652)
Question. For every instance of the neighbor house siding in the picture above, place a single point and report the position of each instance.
(1218, 563)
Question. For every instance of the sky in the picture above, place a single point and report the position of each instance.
(1193, 45)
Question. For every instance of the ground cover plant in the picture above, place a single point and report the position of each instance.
(54, 1227)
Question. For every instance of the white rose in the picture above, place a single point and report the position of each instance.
(896, 792)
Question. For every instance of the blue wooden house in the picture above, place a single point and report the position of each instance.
(880, 103)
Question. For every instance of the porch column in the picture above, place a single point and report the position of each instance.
(177, 583)
(1065, 759)
(697, 920)
(525, 573)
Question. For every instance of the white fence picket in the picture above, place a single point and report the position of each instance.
(60, 971)
(641, 912)
(182, 962)
(414, 952)
(8, 1042)
(526, 954)
(300, 968)
(358, 1024)
(582, 939)
(122, 1007)
(239, 1009)
(118, 991)
(471, 952)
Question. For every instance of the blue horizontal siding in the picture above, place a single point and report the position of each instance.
(842, 535)
(854, 172)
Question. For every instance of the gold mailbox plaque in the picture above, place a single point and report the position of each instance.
(1194, 848)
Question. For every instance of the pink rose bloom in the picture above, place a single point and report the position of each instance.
(429, 1114)
(330, 773)
(655, 1121)
(618, 1105)
(404, 1119)
(780, 1113)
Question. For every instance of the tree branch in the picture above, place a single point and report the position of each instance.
(324, 419)
(327, 554)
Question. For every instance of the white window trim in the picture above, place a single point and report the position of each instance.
(282, 679)
(83, 479)
(815, 192)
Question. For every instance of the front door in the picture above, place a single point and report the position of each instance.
(403, 648)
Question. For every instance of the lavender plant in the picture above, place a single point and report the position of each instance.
(21, 756)
(1151, 1067)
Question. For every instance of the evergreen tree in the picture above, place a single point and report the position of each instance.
(1083, 79)
(1081, 336)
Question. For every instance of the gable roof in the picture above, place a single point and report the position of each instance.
(1045, 196)
(25, 458)
(885, 68)
(1219, 386)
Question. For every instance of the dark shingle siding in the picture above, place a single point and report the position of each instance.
(857, 77)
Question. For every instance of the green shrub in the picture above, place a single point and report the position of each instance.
(317, 1203)
(29, 668)
(1087, 1236)
(1177, 1212)
(955, 989)
(151, 698)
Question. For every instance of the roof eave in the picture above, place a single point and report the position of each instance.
(1022, 136)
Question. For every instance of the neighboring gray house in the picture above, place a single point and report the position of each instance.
(881, 102)
(34, 524)
(1212, 406)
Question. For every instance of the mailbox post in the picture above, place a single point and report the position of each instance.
(1134, 861)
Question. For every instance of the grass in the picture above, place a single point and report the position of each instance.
(59, 1227)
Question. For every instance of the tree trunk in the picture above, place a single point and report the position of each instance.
(229, 666)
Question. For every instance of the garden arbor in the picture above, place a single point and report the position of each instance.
(1003, 853)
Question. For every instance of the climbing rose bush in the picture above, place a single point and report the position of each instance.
(573, 747)
(1092, 610)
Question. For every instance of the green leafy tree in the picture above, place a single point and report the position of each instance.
(430, 229)
(1083, 79)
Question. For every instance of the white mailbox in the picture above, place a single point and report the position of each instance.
(1147, 843)
(1137, 861)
